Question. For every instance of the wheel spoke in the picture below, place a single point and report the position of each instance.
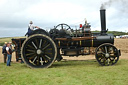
(48, 53)
(100, 52)
(31, 47)
(49, 49)
(32, 62)
(34, 59)
(34, 45)
(44, 59)
(41, 61)
(108, 62)
(112, 55)
(106, 49)
(31, 50)
(38, 60)
(48, 57)
(40, 43)
(62, 26)
(111, 60)
(37, 44)
(102, 61)
(44, 42)
(102, 49)
(31, 57)
(46, 46)
(109, 49)
(29, 54)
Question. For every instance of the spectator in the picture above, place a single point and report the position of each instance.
(10, 45)
(11, 48)
(4, 52)
(9, 54)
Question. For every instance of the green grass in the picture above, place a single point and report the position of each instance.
(2, 40)
(7, 39)
(87, 72)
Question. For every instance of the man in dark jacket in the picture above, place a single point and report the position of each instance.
(4, 52)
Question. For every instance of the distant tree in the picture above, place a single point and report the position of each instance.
(115, 33)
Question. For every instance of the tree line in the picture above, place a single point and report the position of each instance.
(115, 33)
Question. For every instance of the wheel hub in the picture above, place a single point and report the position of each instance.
(38, 51)
(107, 55)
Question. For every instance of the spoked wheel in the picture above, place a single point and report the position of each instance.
(63, 26)
(107, 54)
(54, 33)
(65, 30)
(39, 51)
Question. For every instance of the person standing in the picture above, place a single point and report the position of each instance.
(10, 45)
(31, 28)
(4, 52)
(9, 54)
(11, 48)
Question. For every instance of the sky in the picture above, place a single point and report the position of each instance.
(15, 15)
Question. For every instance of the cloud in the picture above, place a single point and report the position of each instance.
(16, 14)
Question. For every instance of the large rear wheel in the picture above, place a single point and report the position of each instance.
(39, 51)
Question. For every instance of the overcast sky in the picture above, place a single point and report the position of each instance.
(16, 14)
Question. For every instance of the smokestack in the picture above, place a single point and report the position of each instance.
(103, 21)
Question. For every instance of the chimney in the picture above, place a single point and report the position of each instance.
(103, 21)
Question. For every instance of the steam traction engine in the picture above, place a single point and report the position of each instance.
(42, 48)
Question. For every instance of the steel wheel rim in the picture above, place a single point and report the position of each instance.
(107, 55)
(39, 51)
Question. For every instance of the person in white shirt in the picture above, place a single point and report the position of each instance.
(31, 28)
(9, 54)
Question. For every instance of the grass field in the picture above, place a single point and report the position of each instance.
(7, 39)
(86, 72)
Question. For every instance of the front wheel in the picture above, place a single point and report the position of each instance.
(107, 54)
(39, 51)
